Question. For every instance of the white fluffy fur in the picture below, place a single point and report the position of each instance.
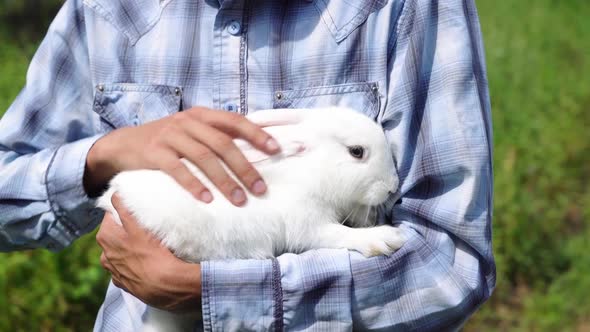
(313, 186)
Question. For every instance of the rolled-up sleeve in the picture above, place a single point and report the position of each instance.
(437, 117)
(45, 136)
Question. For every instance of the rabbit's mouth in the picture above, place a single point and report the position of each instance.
(379, 193)
(361, 216)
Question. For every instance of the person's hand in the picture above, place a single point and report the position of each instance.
(142, 266)
(200, 135)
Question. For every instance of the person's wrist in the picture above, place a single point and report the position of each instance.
(185, 281)
(188, 278)
(98, 170)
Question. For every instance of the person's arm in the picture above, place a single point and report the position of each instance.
(52, 156)
(438, 115)
(44, 138)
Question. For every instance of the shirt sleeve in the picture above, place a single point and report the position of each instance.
(437, 119)
(45, 136)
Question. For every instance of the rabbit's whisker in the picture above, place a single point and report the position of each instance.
(368, 214)
(348, 216)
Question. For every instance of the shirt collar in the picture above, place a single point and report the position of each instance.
(340, 17)
(343, 17)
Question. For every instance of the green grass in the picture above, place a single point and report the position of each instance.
(539, 71)
(14, 61)
(538, 65)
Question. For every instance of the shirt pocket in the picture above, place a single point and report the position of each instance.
(126, 104)
(362, 97)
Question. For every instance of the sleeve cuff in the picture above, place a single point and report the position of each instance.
(316, 288)
(241, 295)
(74, 211)
(311, 289)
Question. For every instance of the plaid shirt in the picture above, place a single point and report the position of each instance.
(417, 66)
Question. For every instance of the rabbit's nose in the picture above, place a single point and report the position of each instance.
(393, 194)
(392, 185)
(393, 198)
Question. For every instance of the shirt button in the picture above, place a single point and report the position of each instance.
(234, 28)
(231, 107)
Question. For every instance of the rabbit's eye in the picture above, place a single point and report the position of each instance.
(356, 151)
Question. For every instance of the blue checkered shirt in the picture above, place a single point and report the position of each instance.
(416, 66)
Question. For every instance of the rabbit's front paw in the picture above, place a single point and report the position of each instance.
(380, 240)
(374, 241)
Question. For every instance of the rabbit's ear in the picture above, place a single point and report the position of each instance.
(288, 149)
(276, 117)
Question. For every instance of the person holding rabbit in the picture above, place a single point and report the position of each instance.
(138, 84)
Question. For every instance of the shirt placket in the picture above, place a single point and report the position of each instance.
(229, 46)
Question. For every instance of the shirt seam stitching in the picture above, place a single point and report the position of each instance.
(278, 311)
(401, 20)
(243, 49)
(53, 205)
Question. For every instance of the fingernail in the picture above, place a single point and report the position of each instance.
(272, 145)
(206, 196)
(259, 187)
(238, 196)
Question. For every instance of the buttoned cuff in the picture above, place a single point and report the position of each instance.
(241, 295)
(316, 288)
(74, 211)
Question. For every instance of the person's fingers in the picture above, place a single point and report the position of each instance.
(115, 275)
(238, 126)
(206, 157)
(169, 162)
(207, 161)
(117, 282)
(128, 221)
(110, 235)
(224, 147)
(105, 263)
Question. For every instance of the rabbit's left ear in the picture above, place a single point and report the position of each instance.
(253, 155)
(277, 117)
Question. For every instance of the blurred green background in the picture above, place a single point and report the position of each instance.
(538, 56)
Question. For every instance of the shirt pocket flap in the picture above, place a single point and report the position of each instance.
(363, 97)
(123, 105)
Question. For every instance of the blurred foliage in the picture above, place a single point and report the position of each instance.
(538, 65)
(44, 291)
(27, 20)
(539, 71)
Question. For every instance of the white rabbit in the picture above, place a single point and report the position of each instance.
(334, 165)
